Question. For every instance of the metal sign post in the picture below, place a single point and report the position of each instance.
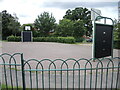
(94, 14)
(0, 47)
(102, 38)
(0, 26)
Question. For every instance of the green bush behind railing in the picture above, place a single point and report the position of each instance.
(54, 39)
(14, 38)
(116, 44)
(44, 39)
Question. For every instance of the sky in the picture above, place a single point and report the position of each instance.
(28, 10)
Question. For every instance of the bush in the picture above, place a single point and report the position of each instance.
(55, 39)
(66, 39)
(79, 39)
(44, 39)
(38, 39)
(116, 44)
(14, 38)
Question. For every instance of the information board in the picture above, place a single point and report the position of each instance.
(26, 36)
(103, 40)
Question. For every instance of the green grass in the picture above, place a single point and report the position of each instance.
(16, 69)
(4, 86)
(83, 43)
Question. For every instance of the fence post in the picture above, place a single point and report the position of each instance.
(23, 75)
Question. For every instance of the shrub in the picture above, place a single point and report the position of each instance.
(14, 38)
(55, 39)
(116, 44)
(38, 39)
(66, 39)
(79, 39)
(44, 39)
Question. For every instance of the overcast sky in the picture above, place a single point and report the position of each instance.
(28, 10)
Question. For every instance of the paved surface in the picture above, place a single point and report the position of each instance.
(52, 51)
(41, 50)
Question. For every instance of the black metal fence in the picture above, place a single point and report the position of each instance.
(59, 74)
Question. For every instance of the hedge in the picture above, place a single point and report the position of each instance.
(116, 44)
(79, 39)
(44, 39)
(54, 39)
(14, 38)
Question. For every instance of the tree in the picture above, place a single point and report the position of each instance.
(117, 31)
(10, 24)
(79, 29)
(79, 14)
(117, 36)
(14, 25)
(64, 28)
(68, 27)
(45, 23)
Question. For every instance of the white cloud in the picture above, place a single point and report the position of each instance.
(82, 0)
(1, 0)
(28, 10)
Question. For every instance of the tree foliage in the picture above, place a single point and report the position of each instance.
(117, 35)
(68, 27)
(10, 24)
(79, 14)
(29, 24)
(14, 25)
(45, 23)
(79, 29)
(117, 32)
(64, 28)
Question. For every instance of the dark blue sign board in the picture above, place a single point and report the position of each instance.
(26, 36)
(103, 40)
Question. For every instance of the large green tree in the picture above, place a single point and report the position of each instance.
(10, 24)
(68, 27)
(14, 25)
(45, 23)
(79, 29)
(79, 14)
(64, 28)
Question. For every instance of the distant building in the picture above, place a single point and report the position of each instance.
(119, 11)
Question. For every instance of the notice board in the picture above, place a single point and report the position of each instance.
(103, 40)
(27, 36)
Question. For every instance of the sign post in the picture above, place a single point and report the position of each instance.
(94, 14)
(0, 47)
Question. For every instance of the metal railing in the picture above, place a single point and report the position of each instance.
(59, 74)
